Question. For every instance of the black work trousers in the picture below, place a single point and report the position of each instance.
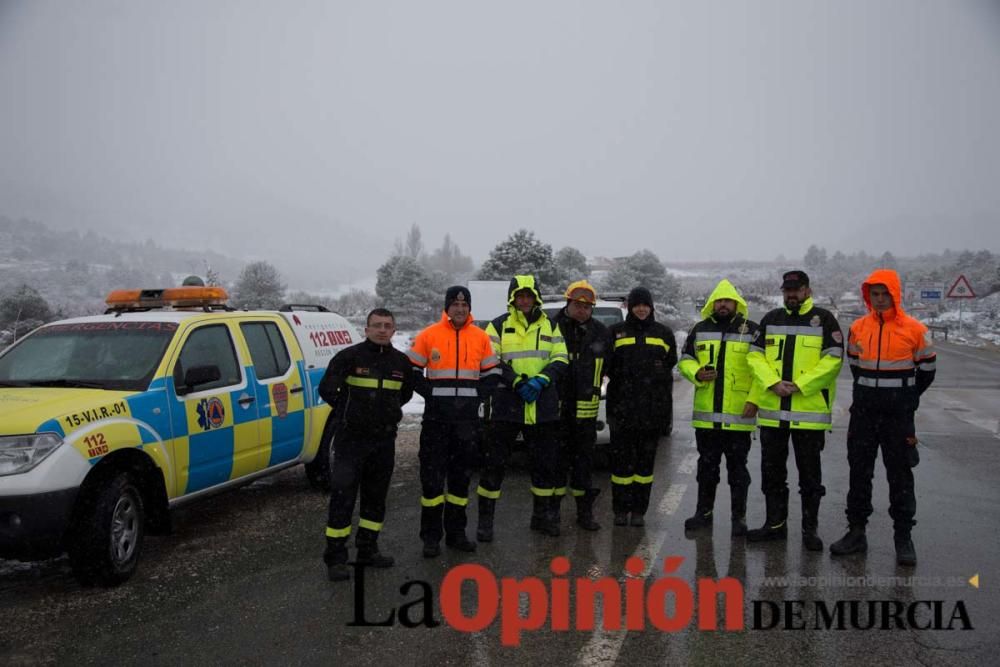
(712, 444)
(774, 459)
(867, 432)
(365, 463)
(577, 438)
(542, 444)
(447, 454)
(633, 457)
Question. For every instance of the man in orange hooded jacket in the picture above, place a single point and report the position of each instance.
(893, 363)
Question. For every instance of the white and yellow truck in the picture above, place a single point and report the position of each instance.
(107, 422)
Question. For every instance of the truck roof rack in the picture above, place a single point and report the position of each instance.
(314, 307)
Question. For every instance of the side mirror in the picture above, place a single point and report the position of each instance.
(198, 375)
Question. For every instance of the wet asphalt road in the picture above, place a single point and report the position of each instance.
(241, 580)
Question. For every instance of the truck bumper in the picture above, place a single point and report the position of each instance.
(32, 526)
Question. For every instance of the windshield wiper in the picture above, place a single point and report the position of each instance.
(8, 383)
(78, 384)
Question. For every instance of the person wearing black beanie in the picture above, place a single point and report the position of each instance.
(640, 403)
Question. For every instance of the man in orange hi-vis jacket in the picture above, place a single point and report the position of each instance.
(893, 363)
(460, 366)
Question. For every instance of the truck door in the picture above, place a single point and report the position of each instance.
(210, 424)
(276, 379)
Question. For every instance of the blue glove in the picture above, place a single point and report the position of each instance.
(528, 391)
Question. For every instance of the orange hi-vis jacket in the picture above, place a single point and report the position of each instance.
(459, 365)
(890, 353)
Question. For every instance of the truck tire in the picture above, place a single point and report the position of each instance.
(318, 470)
(109, 531)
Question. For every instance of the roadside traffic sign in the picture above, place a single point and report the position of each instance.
(961, 289)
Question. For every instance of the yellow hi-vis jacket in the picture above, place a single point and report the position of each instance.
(718, 404)
(806, 348)
(526, 346)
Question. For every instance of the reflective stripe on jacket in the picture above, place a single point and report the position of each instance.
(526, 346)
(640, 383)
(724, 345)
(806, 348)
(366, 385)
(455, 363)
(891, 354)
(586, 344)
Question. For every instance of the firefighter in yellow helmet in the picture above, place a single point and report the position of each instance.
(580, 394)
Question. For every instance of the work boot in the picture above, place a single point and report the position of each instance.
(431, 549)
(369, 556)
(851, 543)
(538, 507)
(550, 515)
(810, 522)
(335, 558)
(621, 502)
(702, 517)
(738, 503)
(776, 525)
(484, 533)
(906, 554)
(585, 510)
(459, 542)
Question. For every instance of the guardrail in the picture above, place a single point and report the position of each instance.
(936, 329)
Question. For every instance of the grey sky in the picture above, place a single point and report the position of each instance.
(697, 129)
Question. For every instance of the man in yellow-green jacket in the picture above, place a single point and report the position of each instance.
(714, 359)
(801, 348)
(533, 358)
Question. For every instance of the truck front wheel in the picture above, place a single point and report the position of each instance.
(318, 470)
(109, 531)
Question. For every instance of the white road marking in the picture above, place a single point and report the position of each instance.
(604, 646)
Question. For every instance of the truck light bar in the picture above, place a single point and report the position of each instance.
(175, 297)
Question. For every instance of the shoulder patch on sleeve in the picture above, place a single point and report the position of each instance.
(838, 337)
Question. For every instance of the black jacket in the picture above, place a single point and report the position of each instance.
(640, 388)
(367, 385)
(587, 345)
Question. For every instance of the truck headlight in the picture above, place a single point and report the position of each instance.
(21, 453)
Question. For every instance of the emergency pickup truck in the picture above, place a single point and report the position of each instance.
(107, 422)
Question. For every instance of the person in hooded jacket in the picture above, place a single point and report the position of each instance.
(460, 366)
(580, 394)
(532, 360)
(796, 358)
(366, 385)
(639, 403)
(893, 362)
(714, 359)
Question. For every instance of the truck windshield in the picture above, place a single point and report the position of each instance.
(101, 355)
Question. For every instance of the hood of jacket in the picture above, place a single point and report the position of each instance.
(724, 290)
(890, 279)
(518, 283)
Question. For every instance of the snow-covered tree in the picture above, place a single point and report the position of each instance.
(406, 288)
(645, 269)
(259, 287)
(570, 265)
(22, 309)
(449, 261)
(815, 257)
(521, 254)
(355, 303)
